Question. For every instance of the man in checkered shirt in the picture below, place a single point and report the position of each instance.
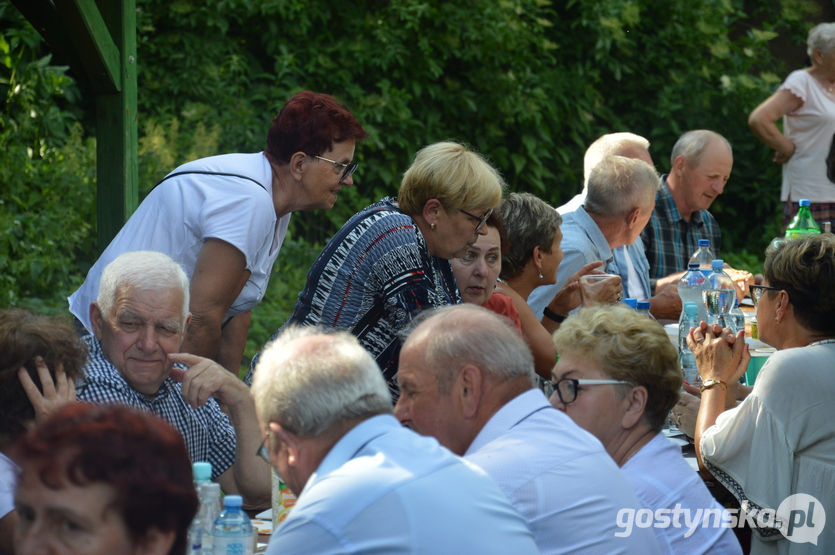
(139, 322)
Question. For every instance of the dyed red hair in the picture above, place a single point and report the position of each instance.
(143, 458)
(311, 123)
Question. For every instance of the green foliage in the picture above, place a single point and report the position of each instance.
(46, 207)
(529, 83)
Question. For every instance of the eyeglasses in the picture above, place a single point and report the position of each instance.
(262, 451)
(566, 388)
(348, 168)
(480, 220)
(757, 292)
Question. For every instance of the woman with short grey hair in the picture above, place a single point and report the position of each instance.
(806, 103)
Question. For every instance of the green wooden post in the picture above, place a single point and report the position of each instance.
(116, 128)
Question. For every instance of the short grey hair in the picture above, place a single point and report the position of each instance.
(529, 222)
(821, 37)
(610, 144)
(618, 185)
(693, 144)
(453, 336)
(310, 382)
(143, 270)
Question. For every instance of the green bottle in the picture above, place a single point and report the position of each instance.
(803, 222)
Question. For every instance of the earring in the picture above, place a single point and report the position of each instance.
(432, 226)
(777, 320)
(540, 273)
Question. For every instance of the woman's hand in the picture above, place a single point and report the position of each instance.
(569, 297)
(720, 355)
(55, 394)
(603, 291)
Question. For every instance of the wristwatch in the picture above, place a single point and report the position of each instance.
(707, 384)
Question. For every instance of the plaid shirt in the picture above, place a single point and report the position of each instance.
(670, 240)
(207, 431)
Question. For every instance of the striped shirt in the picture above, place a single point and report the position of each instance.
(371, 279)
(208, 434)
(670, 240)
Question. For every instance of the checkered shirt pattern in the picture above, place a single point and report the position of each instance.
(670, 240)
(207, 431)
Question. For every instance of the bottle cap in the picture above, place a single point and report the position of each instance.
(804, 202)
(693, 266)
(717, 264)
(233, 501)
(629, 301)
(691, 309)
(202, 471)
(704, 242)
(643, 305)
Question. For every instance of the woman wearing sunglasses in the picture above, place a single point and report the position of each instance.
(224, 219)
(618, 377)
(780, 440)
(391, 260)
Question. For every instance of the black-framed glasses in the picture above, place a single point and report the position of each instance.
(480, 220)
(262, 451)
(757, 291)
(566, 388)
(348, 169)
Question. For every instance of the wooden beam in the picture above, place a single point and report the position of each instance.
(92, 42)
(116, 128)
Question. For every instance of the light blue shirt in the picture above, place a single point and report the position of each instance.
(385, 489)
(559, 477)
(583, 243)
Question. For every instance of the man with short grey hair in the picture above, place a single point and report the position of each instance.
(364, 483)
(467, 378)
(701, 163)
(139, 322)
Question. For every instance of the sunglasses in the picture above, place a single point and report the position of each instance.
(348, 169)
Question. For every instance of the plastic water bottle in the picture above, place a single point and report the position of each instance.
(211, 492)
(689, 319)
(803, 222)
(703, 257)
(737, 317)
(689, 371)
(719, 296)
(643, 309)
(631, 303)
(200, 529)
(232, 533)
(690, 288)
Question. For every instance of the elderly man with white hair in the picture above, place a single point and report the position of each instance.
(139, 322)
(364, 483)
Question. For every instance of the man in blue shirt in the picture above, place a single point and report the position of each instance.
(467, 379)
(365, 483)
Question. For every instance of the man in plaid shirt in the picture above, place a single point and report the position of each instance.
(701, 165)
(139, 322)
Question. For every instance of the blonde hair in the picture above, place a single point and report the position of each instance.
(627, 346)
(455, 175)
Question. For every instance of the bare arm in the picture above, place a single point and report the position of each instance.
(249, 476)
(233, 342)
(219, 277)
(535, 335)
(7, 527)
(762, 122)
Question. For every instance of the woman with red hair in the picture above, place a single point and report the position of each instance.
(224, 218)
(103, 480)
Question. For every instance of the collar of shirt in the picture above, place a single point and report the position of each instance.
(515, 411)
(589, 227)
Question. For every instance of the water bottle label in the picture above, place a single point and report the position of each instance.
(232, 546)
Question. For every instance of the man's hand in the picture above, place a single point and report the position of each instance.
(55, 394)
(206, 378)
(569, 297)
(666, 305)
